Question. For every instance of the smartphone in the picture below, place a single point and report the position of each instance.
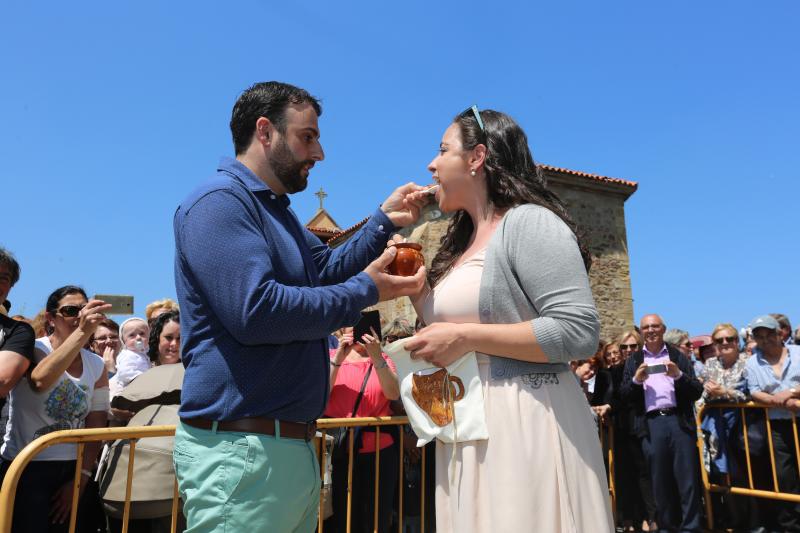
(656, 369)
(369, 319)
(120, 304)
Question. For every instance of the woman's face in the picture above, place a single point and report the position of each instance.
(628, 346)
(451, 171)
(685, 347)
(66, 317)
(727, 342)
(613, 355)
(105, 338)
(169, 344)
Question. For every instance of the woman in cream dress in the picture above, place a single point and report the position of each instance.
(510, 282)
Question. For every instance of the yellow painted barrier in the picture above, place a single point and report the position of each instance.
(750, 491)
(83, 436)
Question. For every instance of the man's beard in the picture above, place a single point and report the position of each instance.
(287, 169)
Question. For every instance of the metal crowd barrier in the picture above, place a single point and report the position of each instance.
(751, 491)
(81, 437)
(133, 434)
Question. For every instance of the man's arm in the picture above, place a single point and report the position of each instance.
(630, 391)
(339, 264)
(16, 356)
(12, 367)
(222, 251)
(688, 386)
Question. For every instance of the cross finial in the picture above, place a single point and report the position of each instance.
(321, 194)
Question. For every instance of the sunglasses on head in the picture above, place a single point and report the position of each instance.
(70, 311)
(723, 340)
(628, 346)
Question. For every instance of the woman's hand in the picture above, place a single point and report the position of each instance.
(61, 503)
(440, 344)
(713, 389)
(91, 316)
(341, 351)
(602, 411)
(109, 358)
(373, 346)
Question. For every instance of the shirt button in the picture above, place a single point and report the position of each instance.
(272, 196)
(380, 228)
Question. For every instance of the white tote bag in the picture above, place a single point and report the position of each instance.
(443, 403)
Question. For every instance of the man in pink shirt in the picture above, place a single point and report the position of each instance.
(660, 386)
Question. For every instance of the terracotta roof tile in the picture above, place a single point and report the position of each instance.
(596, 177)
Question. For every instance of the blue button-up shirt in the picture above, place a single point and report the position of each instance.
(259, 295)
(761, 378)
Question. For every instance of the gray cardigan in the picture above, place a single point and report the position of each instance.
(534, 271)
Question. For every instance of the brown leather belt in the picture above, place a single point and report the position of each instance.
(262, 425)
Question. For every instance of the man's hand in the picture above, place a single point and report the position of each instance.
(641, 373)
(672, 370)
(401, 208)
(390, 287)
(781, 398)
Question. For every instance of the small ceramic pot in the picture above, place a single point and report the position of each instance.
(408, 259)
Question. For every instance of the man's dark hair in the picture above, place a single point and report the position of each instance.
(7, 260)
(266, 99)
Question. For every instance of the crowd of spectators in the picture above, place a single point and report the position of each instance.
(632, 386)
(70, 367)
(65, 369)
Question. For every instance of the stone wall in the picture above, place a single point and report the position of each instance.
(599, 209)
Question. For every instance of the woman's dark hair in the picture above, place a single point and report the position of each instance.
(155, 331)
(512, 179)
(266, 99)
(58, 294)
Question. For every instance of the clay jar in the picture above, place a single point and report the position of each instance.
(408, 259)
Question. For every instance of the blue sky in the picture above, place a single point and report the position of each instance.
(110, 112)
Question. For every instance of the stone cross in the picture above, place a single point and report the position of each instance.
(321, 194)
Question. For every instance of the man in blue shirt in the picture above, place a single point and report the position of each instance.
(259, 295)
(773, 377)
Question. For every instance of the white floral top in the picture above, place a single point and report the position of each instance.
(733, 379)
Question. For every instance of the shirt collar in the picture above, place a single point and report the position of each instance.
(661, 352)
(248, 177)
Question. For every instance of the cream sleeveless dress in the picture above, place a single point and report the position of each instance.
(542, 468)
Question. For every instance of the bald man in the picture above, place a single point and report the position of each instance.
(660, 387)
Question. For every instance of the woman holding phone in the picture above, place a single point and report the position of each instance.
(363, 382)
(510, 283)
(67, 389)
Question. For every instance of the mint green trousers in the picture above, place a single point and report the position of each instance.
(237, 482)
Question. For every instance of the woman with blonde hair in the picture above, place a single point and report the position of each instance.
(158, 307)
